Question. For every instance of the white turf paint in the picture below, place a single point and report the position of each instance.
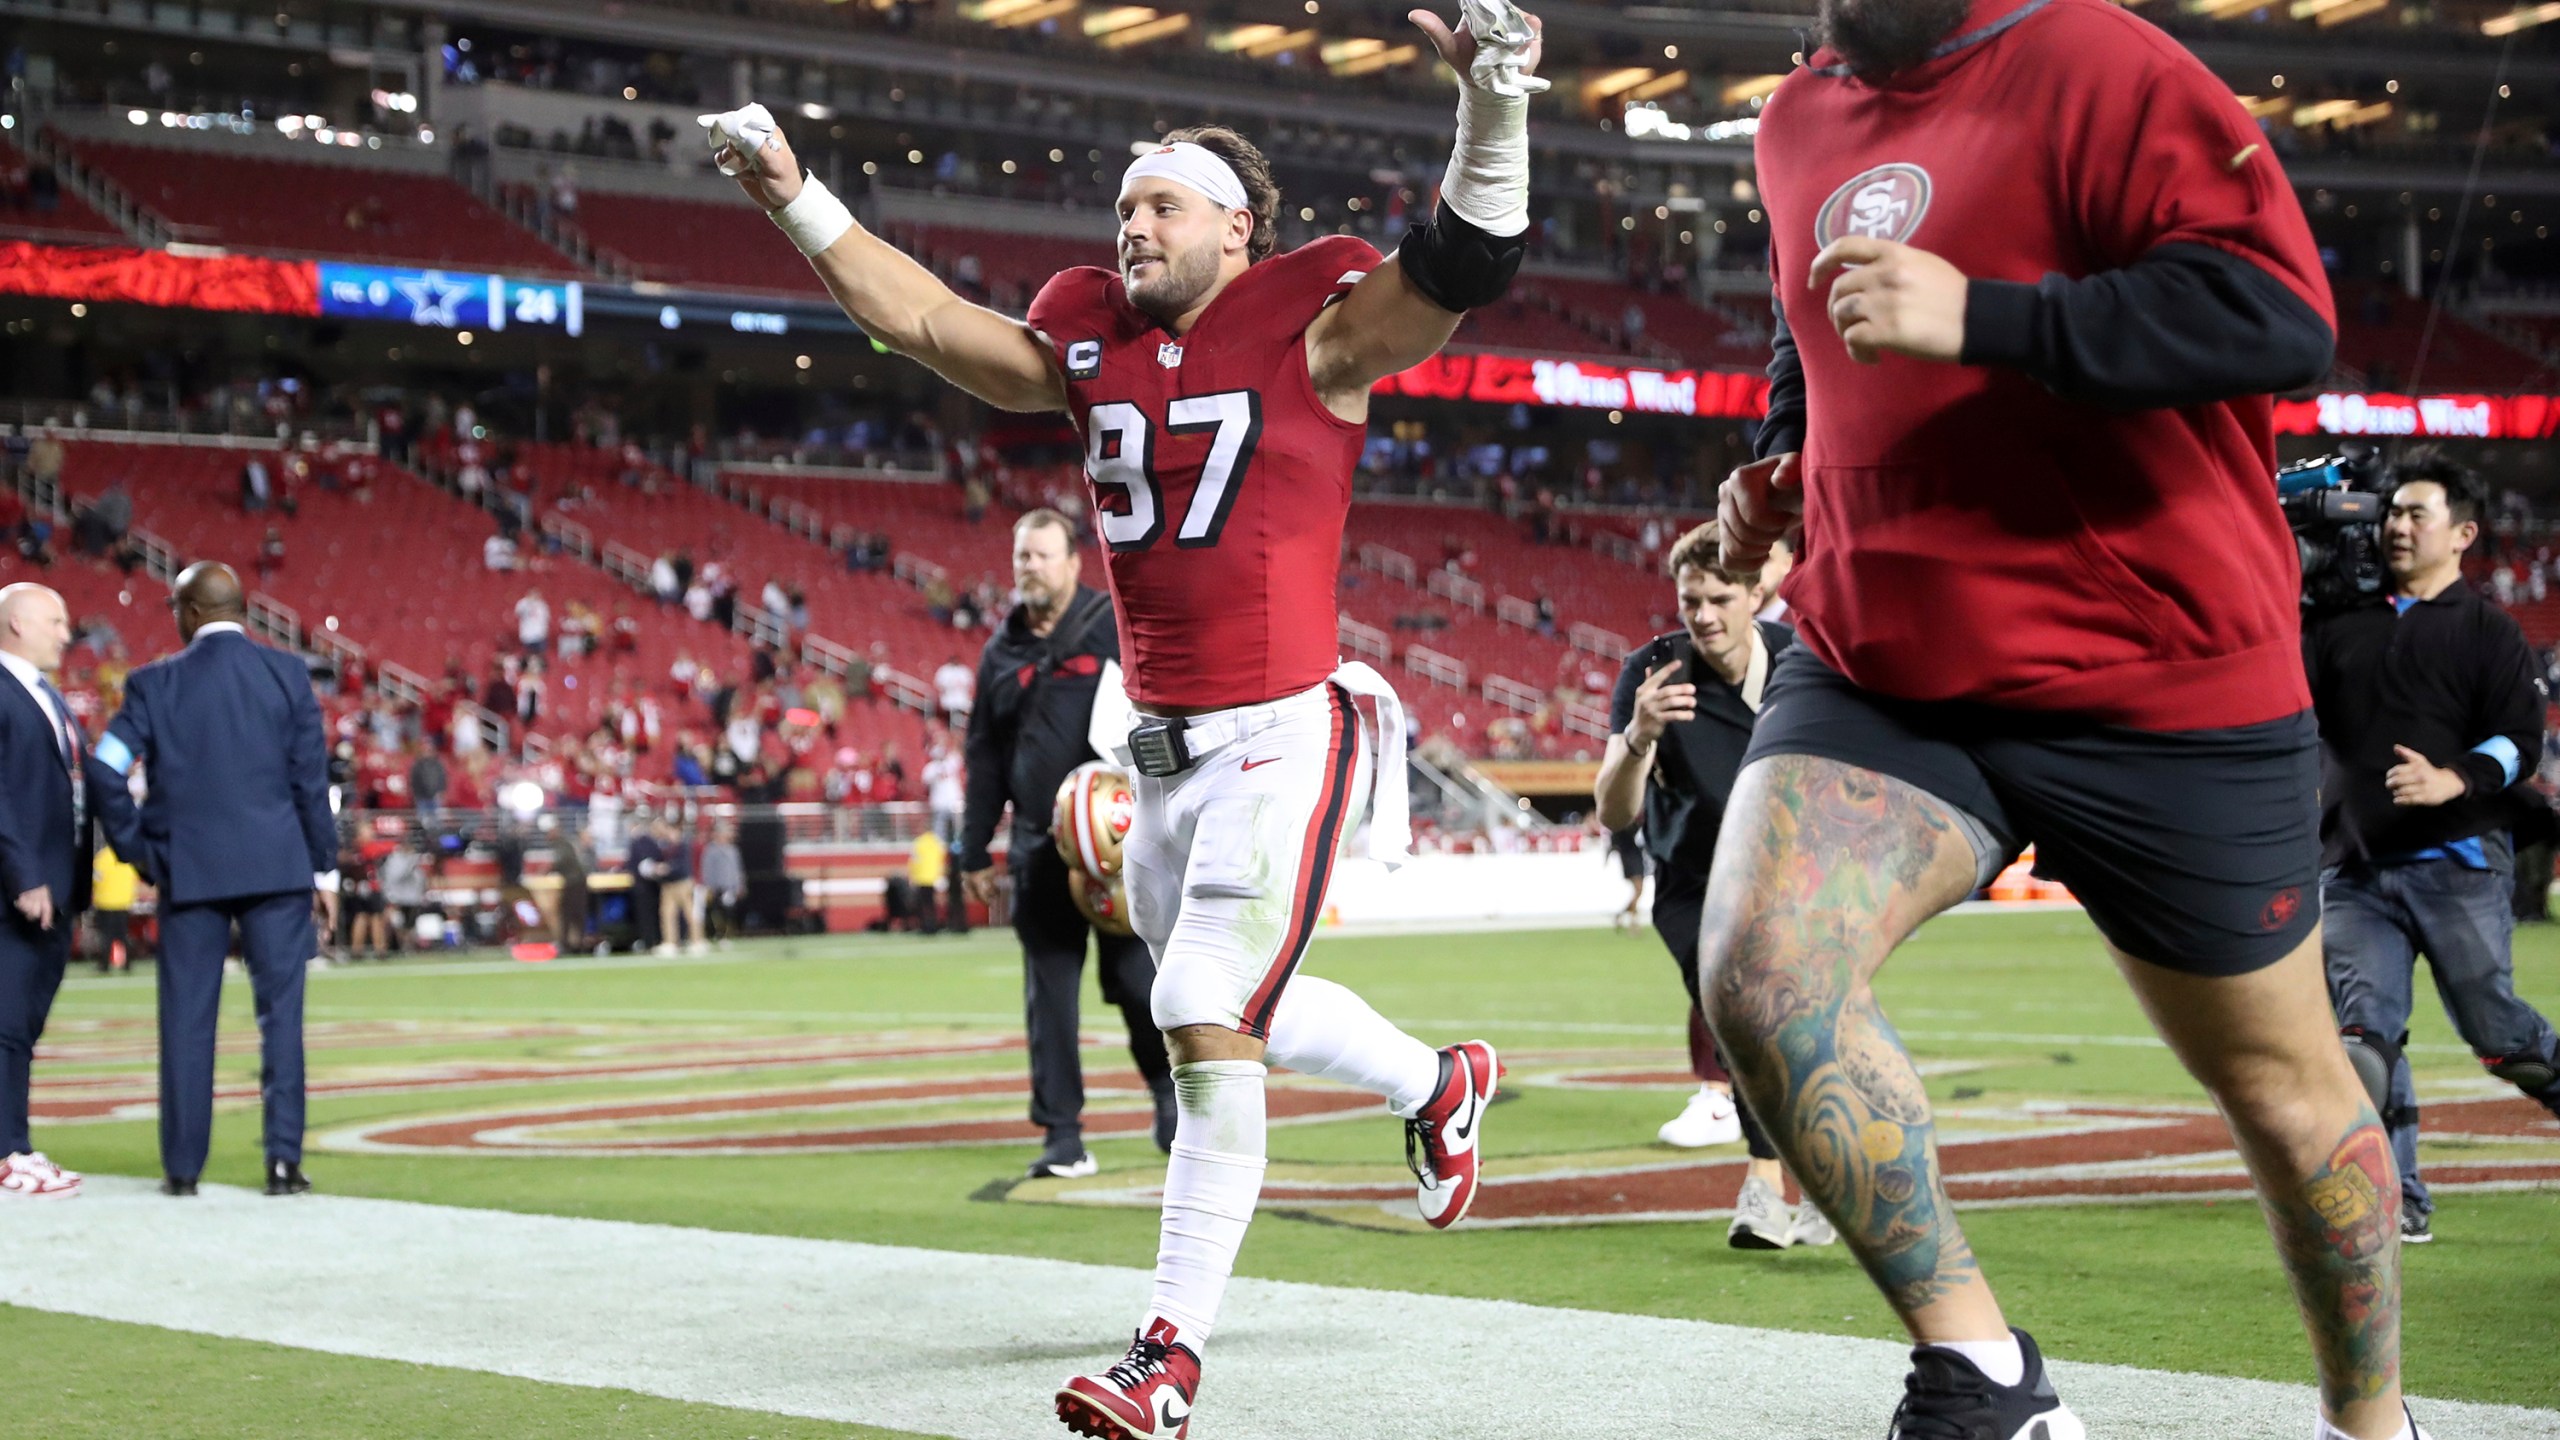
(972, 1345)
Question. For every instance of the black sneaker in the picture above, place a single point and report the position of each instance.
(2416, 1226)
(1946, 1398)
(1065, 1158)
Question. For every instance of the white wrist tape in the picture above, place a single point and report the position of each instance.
(1487, 183)
(1503, 42)
(816, 220)
(736, 135)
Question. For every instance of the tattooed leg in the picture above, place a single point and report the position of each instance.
(2264, 1046)
(1820, 871)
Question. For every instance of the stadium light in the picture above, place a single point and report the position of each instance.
(1660, 85)
(1140, 34)
(1611, 83)
(1118, 17)
(1244, 37)
(1757, 87)
(523, 799)
(2355, 115)
(1379, 60)
(1283, 43)
(2521, 19)
(1647, 122)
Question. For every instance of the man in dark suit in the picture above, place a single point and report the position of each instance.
(44, 864)
(234, 830)
(646, 858)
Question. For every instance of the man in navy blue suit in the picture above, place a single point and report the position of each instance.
(235, 830)
(44, 865)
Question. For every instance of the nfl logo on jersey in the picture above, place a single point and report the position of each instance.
(1169, 354)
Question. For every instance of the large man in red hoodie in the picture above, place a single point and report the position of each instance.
(2043, 277)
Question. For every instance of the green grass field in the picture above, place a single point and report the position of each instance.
(2007, 1011)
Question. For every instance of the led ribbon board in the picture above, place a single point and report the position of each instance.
(448, 300)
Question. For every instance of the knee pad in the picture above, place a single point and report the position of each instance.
(2374, 1056)
(2535, 1075)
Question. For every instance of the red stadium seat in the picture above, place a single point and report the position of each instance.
(1697, 336)
(718, 242)
(260, 203)
(401, 575)
(70, 221)
(2380, 329)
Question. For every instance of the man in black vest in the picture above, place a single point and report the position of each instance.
(1031, 725)
(1683, 713)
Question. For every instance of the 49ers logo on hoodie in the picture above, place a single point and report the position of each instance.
(1885, 203)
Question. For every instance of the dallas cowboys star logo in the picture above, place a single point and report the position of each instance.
(433, 298)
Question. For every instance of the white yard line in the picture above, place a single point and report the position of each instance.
(971, 1345)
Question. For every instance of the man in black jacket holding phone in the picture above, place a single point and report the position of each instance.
(1682, 718)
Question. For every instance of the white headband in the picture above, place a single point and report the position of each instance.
(1192, 166)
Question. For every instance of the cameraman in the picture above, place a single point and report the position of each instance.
(2430, 710)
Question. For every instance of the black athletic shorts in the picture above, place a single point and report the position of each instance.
(2197, 850)
(1632, 861)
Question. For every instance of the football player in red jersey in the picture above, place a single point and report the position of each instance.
(1222, 390)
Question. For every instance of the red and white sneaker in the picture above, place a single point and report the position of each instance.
(1440, 1142)
(36, 1178)
(1147, 1396)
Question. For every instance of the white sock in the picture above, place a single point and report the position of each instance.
(2000, 1361)
(2321, 1429)
(1324, 1030)
(1210, 1188)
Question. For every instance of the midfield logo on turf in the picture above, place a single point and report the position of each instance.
(2031, 1154)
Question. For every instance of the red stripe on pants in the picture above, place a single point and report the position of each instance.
(1315, 864)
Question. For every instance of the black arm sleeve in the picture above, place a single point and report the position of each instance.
(1783, 430)
(2511, 708)
(2183, 325)
(990, 777)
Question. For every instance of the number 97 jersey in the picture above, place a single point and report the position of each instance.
(1220, 482)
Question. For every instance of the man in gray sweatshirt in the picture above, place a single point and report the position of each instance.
(723, 881)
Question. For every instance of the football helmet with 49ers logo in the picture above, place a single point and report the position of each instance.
(1091, 820)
